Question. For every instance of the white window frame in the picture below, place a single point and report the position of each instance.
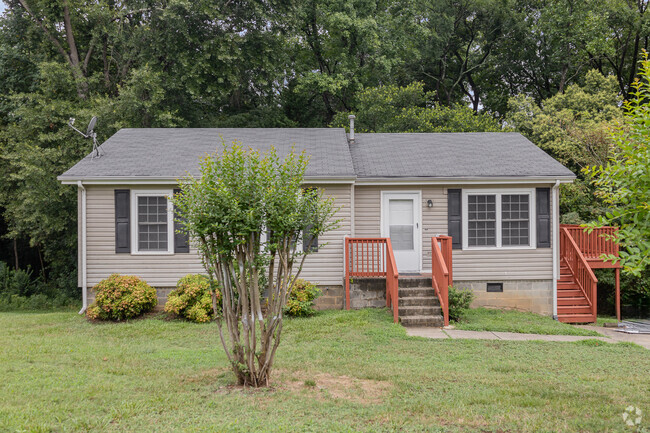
(498, 192)
(134, 221)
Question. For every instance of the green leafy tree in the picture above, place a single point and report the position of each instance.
(624, 181)
(409, 109)
(240, 195)
(573, 127)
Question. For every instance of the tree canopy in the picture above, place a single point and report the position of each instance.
(399, 65)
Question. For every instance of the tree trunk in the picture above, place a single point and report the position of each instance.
(15, 254)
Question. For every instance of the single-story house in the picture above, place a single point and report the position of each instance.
(495, 194)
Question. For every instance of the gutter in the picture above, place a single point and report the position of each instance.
(556, 241)
(84, 284)
(155, 180)
(462, 180)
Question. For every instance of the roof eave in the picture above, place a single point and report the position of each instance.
(153, 180)
(470, 180)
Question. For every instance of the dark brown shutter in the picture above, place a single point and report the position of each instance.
(122, 221)
(181, 237)
(543, 201)
(309, 241)
(455, 218)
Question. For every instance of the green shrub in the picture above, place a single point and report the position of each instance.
(301, 299)
(459, 302)
(17, 282)
(121, 297)
(192, 299)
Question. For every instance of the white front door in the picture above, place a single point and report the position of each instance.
(401, 223)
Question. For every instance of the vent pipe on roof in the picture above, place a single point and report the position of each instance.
(351, 137)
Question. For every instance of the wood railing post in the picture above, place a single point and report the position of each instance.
(347, 273)
(618, 293)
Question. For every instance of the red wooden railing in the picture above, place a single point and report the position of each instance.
(579, 267)
(372, 257)
(441, 272)
(595, 243)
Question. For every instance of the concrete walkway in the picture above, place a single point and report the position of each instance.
(609, 335)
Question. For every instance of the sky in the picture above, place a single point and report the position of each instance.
(2, 6)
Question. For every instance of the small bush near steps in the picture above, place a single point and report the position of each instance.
(121, 297)
(192, 299)
(459, 302)
(301, 300)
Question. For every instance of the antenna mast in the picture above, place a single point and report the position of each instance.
(90, 133)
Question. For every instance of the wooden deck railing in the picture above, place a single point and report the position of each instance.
(577, 263)
(595, 243)
(372, 257)
(441, 272)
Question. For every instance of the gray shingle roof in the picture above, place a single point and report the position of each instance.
(167, 153)
(172, 152)
(449, 155)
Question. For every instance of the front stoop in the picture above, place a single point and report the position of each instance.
(418, 303)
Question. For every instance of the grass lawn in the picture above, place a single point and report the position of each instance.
(339, 371)
(486, 319)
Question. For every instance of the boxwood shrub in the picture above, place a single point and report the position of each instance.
(192, 299)
(459, 302)
(301, 300)
(121, 297)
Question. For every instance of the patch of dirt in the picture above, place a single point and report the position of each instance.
(321, 386)
(325, 385)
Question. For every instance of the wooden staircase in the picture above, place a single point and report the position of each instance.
(577, 287)
(572, 305)
(418, 303)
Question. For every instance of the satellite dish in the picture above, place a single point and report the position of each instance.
(90, 133)
(91, 125)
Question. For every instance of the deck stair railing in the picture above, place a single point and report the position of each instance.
(441, 272)
(593, 244)
(372, 257)
(577, 263)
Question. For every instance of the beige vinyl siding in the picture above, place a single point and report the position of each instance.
(367, 208)
(324, 267)
(502, 264)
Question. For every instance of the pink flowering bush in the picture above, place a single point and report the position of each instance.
(121, 297)
(192, 299)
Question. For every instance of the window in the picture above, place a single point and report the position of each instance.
(515, 219)
(482, 220)
(498, 218)
(153, 231)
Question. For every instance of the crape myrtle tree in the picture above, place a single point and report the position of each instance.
(250, 215)
(624, 181)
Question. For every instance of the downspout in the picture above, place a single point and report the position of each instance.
(84, 284)
(556, 242)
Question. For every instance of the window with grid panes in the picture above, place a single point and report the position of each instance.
(152, 223)
(515, 219)
(481, 220)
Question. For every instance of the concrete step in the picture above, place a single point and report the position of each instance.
(412, 321)
(419, 310)
(431, 301)
(410, 292)
(414, 281)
